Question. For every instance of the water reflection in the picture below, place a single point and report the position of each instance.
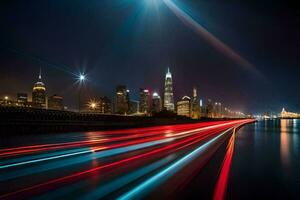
(296, 145)
(295, 125)
(274, 155)
(285, 141)
(296, 138)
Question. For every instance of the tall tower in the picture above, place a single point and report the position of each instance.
(168, 95)
(144, 101)
(39, 93)
(156, 103)
(121, 100)
(195, 105)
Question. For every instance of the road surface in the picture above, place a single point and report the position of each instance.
(152, 162)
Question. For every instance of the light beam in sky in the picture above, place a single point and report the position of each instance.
(215, 42)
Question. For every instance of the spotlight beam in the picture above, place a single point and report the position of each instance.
(215, 42)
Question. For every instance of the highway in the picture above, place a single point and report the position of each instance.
(125, 164)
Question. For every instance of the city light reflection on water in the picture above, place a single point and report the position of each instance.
(295, 139)
(266, 160)
(285, 141)
(289, 138)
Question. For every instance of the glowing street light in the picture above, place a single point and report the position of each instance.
(81, 78)
(6, 98)
(93, 105)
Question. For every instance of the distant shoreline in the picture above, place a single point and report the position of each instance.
(287, 118)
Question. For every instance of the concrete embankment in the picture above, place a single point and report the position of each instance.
(29, 120)
(23, 120)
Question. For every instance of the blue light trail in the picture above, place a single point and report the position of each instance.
(146, 186)
(72, 161)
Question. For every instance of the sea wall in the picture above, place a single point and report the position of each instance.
(23, 120)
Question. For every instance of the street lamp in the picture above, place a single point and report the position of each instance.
(93, 105)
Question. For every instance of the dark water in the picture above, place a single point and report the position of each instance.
(266, 162)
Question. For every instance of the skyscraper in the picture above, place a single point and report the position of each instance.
(217, 110)
(128, 100)
(144, 101)
(133, 107)
(184, 107)
(121, 100)
(156, 103)
(168, 95)
(55, 102)
(209, 109)
(39, 93)
(22, 99)
(195, 105)
(105, 105)
(202, 108)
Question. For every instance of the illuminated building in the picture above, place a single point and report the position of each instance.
(168, 93)
(202, 109)
(195, 105)
(55, 102)
(39, 93)
(144, 106)
(121, 100)
(22, 98)
(105, 105)
(209, 109)
(217, 110)
(6, 101)
(133, 107)
(285, 114)
(184, 107)
(156, 103)
(128, 100)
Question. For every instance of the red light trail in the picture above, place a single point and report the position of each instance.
(221, 186)
(174, 139)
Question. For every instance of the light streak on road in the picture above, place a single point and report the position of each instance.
(145, 187)
(174, 136)
(221, 186)
(62, 163)
(138, 153)
(126, 179)
(45, 159)
(131, 134)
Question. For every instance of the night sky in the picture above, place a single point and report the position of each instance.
(132, 42)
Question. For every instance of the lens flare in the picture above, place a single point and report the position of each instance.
(215, 42)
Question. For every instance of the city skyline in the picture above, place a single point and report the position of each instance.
(93, 102)
(127, 49)
(149, 102)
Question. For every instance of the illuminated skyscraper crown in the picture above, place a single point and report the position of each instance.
(168, 74)
(168, 92)
(39, 85)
